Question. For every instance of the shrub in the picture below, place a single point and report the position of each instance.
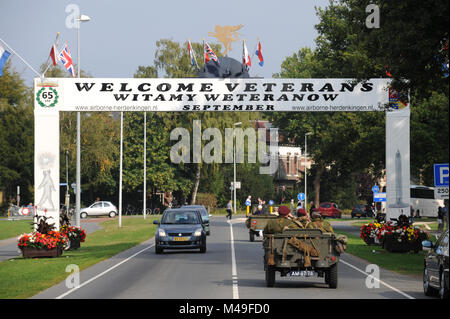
(206, 199)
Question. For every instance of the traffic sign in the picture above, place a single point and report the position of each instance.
(375, 189)
(248, 202)
(238, 185)
(441, 187)
(441, 175)
(271, 202)
(74, 186)
(301, 196)
(379, 197)
(25, 211)
(441, 192)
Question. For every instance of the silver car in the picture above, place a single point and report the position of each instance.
(99, 209)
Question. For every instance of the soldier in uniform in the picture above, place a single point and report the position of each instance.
(319, 222)
(286, 220)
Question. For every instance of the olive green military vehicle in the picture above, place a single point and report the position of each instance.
(302, 252)
(256, 224)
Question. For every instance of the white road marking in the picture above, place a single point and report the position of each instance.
(102, 273)
(376, 279)
(233, 265)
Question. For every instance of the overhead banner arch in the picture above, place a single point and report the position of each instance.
(194, 94)
(54, 95)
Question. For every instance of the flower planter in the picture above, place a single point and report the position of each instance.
(74, 243)
(394, 246)
(32, 252)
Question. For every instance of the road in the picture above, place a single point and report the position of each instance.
(232, 267)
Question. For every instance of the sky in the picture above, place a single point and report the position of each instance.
(122, 35)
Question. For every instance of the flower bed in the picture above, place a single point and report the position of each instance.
(394, 238)
(371, 233)
(44, 242)
(42, 245)
(76, 235)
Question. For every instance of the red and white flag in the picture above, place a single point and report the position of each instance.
(54, 51)
(53, 55)
(245, 56)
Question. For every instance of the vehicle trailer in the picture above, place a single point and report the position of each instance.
(256, 224)
(302, 252)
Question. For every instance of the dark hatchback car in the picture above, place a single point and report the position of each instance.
(204, 213)
(362, 210)
(435, 272)
(180, 229)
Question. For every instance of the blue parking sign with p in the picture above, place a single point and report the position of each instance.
(441, 175)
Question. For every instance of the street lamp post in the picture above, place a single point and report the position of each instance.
(120, 169)
(82, 18)
(67, 200)
(145, 166)
(234, 164)
(306, 197)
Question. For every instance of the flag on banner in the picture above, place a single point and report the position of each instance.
(66, 60)
(53, 52)
(4, 56)
(209, 53)
(192, 55)
(259, 54)
(245, 56)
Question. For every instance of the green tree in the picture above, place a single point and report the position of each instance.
(16, 136)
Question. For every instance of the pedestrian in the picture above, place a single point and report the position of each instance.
(259, 211)
(229, 209)
(440, 219)
(445, 213)
(411, 215)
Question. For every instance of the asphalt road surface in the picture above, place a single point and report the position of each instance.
(231, 268)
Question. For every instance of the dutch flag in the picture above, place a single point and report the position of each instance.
(259, 54)
(192, 55)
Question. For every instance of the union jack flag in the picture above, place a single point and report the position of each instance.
(209, 53)
(66, 60)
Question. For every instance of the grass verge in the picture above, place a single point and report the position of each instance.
(404, 263)
(13, 228)
(23, 278)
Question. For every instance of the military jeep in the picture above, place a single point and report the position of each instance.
(302, 252)
(256, 224)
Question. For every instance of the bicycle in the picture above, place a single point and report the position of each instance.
(13, 210)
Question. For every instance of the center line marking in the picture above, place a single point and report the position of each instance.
(233, 265)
